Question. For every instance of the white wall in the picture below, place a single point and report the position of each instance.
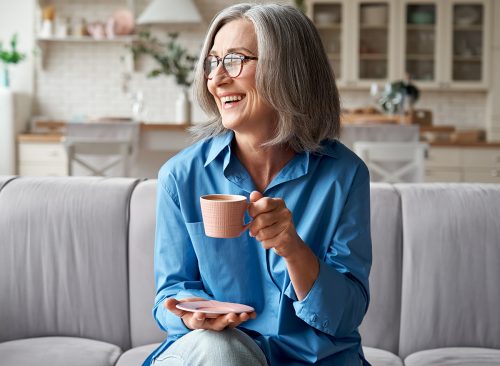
(16, 17)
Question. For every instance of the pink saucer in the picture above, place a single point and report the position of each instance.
(214, 307)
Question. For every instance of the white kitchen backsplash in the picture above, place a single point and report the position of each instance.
(82, 80)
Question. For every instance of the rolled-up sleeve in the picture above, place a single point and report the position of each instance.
(175, 263)
(338, 299)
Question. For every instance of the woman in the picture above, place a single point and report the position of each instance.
(265, 81)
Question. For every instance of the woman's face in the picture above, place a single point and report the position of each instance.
(240, 106)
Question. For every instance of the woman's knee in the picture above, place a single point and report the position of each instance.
(227, 347)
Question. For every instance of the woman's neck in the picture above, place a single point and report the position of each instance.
(263, 164)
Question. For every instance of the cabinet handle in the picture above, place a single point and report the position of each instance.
(495, 173)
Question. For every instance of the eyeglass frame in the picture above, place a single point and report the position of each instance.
(220, 60)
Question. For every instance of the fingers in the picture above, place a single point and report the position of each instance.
(264, 204)
(262, 221)
(201, 321)
(198, 320)
(255, 196)
(171, 304)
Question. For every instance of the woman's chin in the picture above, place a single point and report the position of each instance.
(231, 123)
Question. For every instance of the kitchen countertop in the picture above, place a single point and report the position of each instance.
(480, 144)
(53, 137)
(40, 137)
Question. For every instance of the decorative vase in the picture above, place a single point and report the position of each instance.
(183, 108)
(4, 76)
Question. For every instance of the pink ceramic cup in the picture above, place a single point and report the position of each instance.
(223, 214)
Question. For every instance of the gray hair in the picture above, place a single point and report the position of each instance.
(293, 76)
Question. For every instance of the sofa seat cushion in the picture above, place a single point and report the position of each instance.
(137, 355)
(380, 357)
(58, 351)
(456, 356)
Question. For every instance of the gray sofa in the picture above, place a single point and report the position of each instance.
(76, 275)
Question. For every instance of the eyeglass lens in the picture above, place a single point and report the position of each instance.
(231, 64)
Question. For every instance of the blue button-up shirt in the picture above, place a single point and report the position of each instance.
(329, 197)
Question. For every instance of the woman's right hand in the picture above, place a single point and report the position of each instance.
(199, 320)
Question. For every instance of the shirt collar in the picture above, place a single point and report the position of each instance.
(219, 143)
(328, 148)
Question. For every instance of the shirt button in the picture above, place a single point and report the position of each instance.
(314, 318)
(325, 324)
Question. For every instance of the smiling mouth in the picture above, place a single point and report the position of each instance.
(231, 101)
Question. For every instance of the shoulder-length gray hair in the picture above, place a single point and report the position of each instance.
(293, 75)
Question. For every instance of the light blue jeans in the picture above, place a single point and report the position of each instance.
(230, 347)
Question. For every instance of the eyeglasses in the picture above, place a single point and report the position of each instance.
(232, 63)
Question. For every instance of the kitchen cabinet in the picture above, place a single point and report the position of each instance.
(359, 38)
(331, 18)
(42, 158)
(442, 44)
(373, 52)
(463, 164)
(445, 43)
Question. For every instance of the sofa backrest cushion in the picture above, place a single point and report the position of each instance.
(143, 328)
(380, 327)
(63, 258)
(4, 179)
(451, 266)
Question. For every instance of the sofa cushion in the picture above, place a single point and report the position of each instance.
(63, 261)
(451, 266)
(4, 179)
(137, 355)
(58, 351)
(143, 328)
(380, 357)
(380, 327)
(462, 356)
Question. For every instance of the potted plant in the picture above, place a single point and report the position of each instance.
(399, 96)
(9, 57)
(171, 59)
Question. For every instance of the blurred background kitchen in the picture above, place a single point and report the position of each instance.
(91, 87)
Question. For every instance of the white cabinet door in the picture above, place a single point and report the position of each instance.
(467, 44)
(435, 175)
(374, 53)
(485, 158)
(484, 175)
(446, 157)
(42, 159)
(421, 54)
(330, 18)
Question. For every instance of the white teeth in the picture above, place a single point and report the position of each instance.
(231, 98)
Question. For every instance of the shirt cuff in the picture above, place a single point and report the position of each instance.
(316, 308)
(175, 325)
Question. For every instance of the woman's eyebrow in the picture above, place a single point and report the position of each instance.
(235, 49)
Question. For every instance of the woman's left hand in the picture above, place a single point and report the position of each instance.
(273, 226)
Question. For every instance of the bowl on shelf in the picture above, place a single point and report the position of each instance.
(327, 18)
(421, 17)
(374, 15)
(466, 15)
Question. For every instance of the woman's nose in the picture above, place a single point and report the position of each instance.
(220, 75)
